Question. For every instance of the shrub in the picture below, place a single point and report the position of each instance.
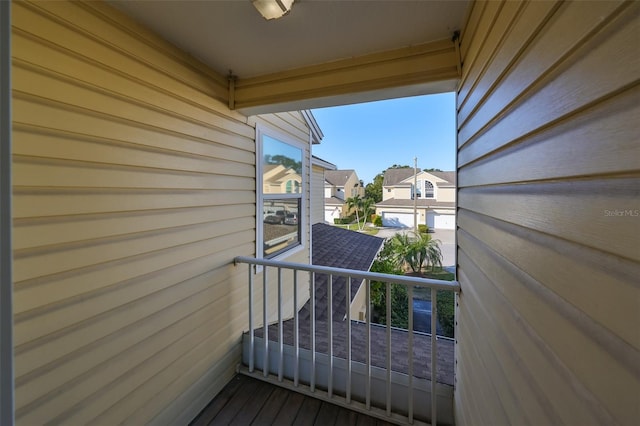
(423, 229)
(343, 220)
(385, 263)
(445, 306)
(377, 220)
(446, 302)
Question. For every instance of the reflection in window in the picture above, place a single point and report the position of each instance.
(293, 186)
(281, 196)
(281, 225)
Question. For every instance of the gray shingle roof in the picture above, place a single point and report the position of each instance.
(333, 246)
(450, 177)
(338, 177)
(340, 248)
(394, 176)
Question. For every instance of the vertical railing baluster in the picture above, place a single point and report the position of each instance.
(434, 356)
(348, 387)
(252, 356)
(368, 341)
(251, 334)
(312, 382)
(330, 331)
(410, 360)
(388, 302)
(280, 333)
(265, 325)
(296, 344)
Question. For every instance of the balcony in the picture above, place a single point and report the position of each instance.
(378, 370)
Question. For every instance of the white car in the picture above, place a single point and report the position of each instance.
(291, 219)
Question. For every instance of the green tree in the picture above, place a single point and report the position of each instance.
(390, 260)
(355, 202)
(374, 190)
(417, 251)
(366, 205)
(284, 160)
(386, 263)
(431, 170)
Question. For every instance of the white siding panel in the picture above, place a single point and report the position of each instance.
(548, 172)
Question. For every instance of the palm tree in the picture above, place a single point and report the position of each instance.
(355, 202)
(417, 251)
(366, 205)
(434, 254)
(427, 251)
(402, 252)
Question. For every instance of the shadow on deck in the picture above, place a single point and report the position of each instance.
(248, 401)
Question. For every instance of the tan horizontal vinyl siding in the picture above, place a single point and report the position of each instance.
(134, 188)
(317, 195)
(547, 145)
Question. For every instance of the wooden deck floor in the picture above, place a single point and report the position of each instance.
(248, 401)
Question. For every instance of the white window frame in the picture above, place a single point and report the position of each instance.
(425, 189)
(261, 131)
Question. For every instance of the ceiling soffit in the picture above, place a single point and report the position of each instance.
(322, 53)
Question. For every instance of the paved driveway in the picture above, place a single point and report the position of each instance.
(447, 239)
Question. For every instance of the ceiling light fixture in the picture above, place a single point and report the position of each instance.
(273, 9)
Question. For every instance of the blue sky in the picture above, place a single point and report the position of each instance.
(372, 136)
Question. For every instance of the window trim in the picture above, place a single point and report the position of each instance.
(265, 130)
(433, 187)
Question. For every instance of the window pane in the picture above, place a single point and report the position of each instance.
(281, 225)
(428, 193)
(281, 167)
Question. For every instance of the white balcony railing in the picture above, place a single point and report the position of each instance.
(342, 375)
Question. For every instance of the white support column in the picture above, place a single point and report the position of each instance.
(6, 258)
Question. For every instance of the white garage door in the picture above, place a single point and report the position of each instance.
(331, 213)
(441, 221)
(397, 219)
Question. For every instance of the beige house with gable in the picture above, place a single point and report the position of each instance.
(340, 185)
(435, 192)
(318, 169)
(131, 167)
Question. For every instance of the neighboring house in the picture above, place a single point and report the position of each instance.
(339, 186)
(278, 179)
(130, 181)
(436, 196)
(318, 169)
